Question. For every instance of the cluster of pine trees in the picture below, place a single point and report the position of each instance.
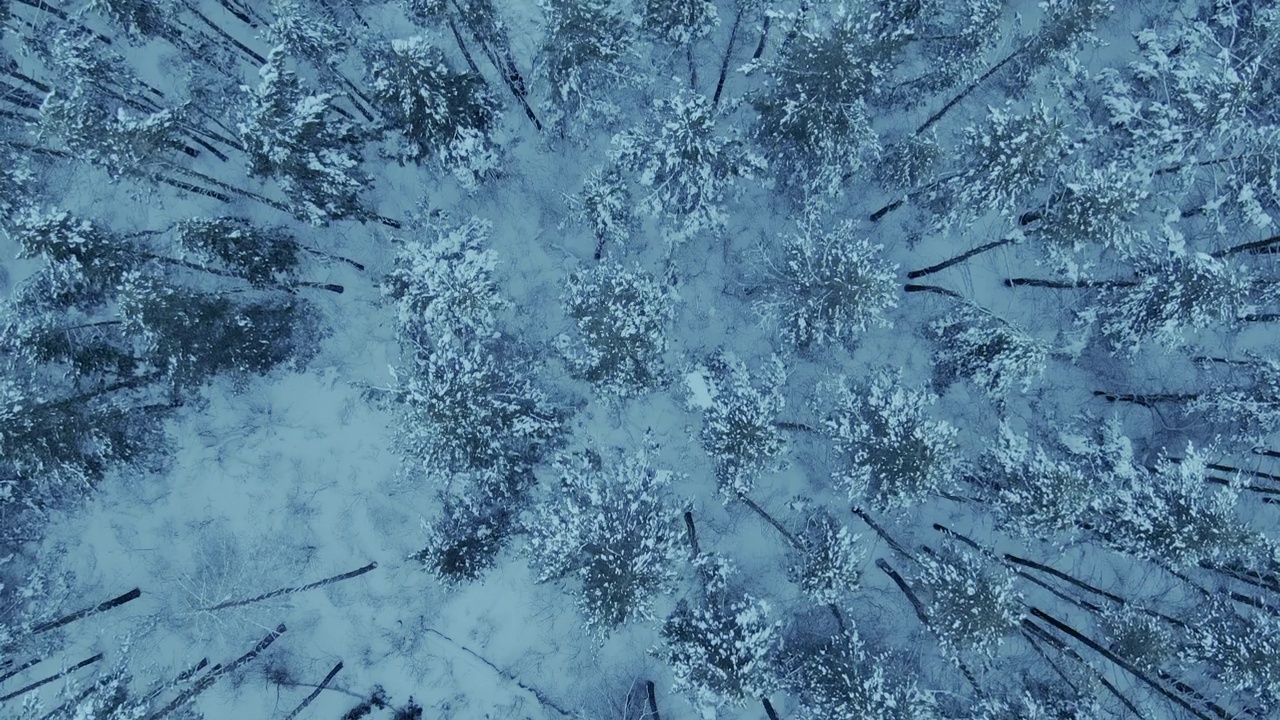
(1039, 488)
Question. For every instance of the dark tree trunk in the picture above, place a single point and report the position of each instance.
(1060, 285)
(1128, 667)
(315, 693)
(115, 602)
(934, 118)
(653, 700)
(932, 289)
(209, 679)
(960, 258)
(291, 590)
(45, 681)
(692, 533)
(1146, 400)
(768, 709)
(724, 62)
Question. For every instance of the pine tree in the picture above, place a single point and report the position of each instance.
(826, 287)
(83, 264)
(477, 520)
(688, 169)
(191, 336)
(1006, 159)
(584, 60)
(724, 649)
(972, 602)
(289, 136)
(605, 205)
(979, 347)
(439, 114)
(813, 123)
(1186, 292)
(830, 563)
(679, 22)
(739, 430)
(614, 530)
(1038, 495)
(141, 20)
(622, 317)
(1237, 647)
(896, 456)
(1097, 208)
(838, 678)
(467, 408)
(444, 287)
(1171, 515)
(306, 33)
(264, 257)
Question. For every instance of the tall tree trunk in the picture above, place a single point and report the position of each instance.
(315, 693)
(728, 53)
(1121, 662)
(45, 681)
(213, 675)
(692, 533)
(1060, 285)
(115, 602)
(291, 590)
(960, 258)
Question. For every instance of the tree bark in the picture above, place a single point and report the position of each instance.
(692, 533)
(764, 36)
(1146, 400)
(1031, 628)
(291, 590)
(45, 681)
(933, 289)
(653, 701)
(893, 544)
(115, 602)
(1116, 659)
(724, 62)
(934, 118)
(1059, 285)
(1256, 247)
(960, 258)
(209, 679)
(315, 693)
(782, 530)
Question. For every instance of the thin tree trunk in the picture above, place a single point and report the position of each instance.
(209, 679)
(331, 256)
(14, 671)
(315, 693)
(782, 530)
(883, 535)
(291, 590)
(692, 533)
(540, 696)
(248, 52)
(960, 258)
(45, 681)
(115, 602)
(1116, 659)
(330, 287)
(932, 289)
(924, 617)
(232, 188)
(764, 36)
(62, 15)
(1059, 285)
(768, 709)
(1032, 628)
(466, 54)
(724, 62)
(1256, 247)
(934, 118)
(1146, 400)
(193, 188)
(653, 700)
(39, 86)
(693, 67)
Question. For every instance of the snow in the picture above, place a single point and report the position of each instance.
(313, 469)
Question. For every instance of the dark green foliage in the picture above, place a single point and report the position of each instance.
(429, 104)
(263, 257)
(194, 335)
